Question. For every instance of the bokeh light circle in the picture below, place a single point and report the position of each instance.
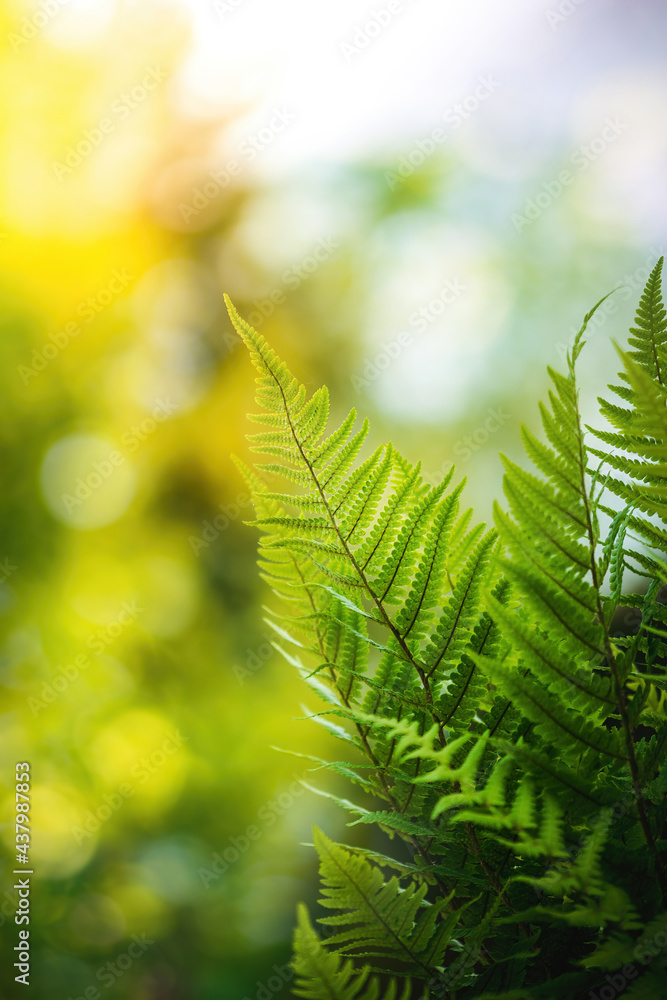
(87, 482)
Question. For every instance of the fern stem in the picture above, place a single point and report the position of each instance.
(360, 572)
(391, 933)
(472, 837)
(412, 839)
(476, 849)
(621, 702)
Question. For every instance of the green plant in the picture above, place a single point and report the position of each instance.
(502, 725)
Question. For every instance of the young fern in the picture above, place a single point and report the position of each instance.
(515, 742)
(323, 973)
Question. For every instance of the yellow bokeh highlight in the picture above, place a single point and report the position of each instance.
(55, 851)
(146, 754)
(142, 908)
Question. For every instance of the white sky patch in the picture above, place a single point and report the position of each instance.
(359, 80)
(433, 377)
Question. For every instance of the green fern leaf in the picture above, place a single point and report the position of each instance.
(323, 975)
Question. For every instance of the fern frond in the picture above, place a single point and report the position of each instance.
(383, 921)
(503, 704)
(374, 532)
(649, 337)
(323, 975)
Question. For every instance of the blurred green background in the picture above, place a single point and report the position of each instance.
(417, 212)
